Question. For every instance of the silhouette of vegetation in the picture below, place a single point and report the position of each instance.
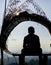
(33, 62)
(49, 61)
(13, 64)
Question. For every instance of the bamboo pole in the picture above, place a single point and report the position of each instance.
(1, 31)
(2, 57)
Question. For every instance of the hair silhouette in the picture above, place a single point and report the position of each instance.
(31, 30)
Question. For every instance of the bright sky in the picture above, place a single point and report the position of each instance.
(15, 39)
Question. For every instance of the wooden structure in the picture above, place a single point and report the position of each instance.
(10, 23)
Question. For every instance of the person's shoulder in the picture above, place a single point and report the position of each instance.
(36, 36)
(26, 37)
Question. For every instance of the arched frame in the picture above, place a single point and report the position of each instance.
(10, 24)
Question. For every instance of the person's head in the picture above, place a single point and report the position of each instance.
(31, 30)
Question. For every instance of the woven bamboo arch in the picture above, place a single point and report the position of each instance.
(10, 24)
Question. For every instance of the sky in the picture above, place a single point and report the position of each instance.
(15, 39)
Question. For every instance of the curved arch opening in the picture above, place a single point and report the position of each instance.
(15, 39)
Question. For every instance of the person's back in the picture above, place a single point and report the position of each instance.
(31, 41)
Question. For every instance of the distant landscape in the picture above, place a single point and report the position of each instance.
(29, 60)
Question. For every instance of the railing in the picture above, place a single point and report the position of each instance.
(43, 58)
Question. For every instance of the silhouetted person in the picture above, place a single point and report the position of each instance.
(31, 46)
(31, 42)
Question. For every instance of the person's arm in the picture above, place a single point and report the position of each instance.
(39, 42)
(24, 43)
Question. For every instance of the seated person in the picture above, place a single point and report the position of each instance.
(31, 43)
